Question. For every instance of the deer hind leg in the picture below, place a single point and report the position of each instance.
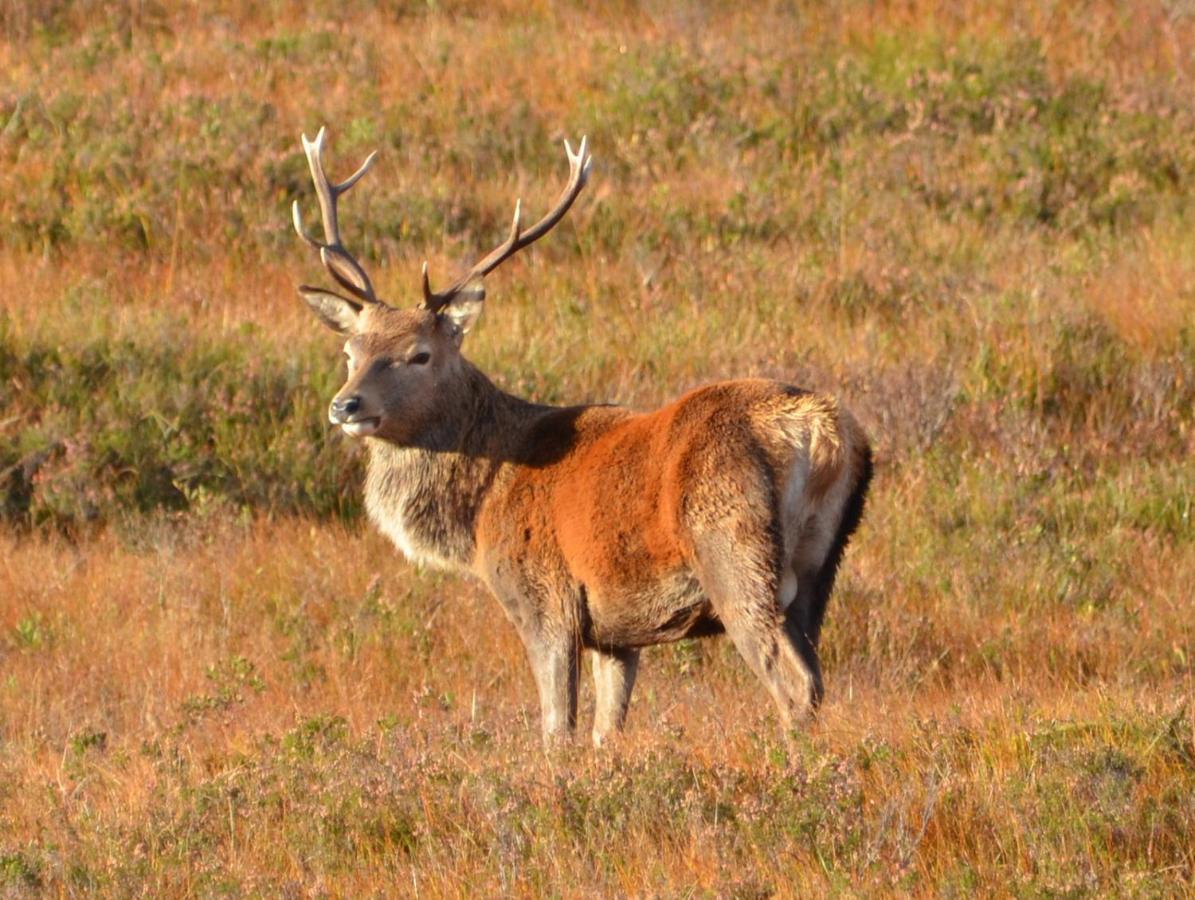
(811, 570)
(813, 563)
(802, 622)
(803, 597)
(741, 579)
(613, 680)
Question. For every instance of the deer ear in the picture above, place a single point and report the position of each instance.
(464, 307)
(337, 312)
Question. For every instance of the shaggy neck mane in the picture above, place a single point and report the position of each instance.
(426, 497)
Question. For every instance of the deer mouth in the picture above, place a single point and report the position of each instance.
(362, 427)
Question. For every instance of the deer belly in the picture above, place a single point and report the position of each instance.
(664, 610)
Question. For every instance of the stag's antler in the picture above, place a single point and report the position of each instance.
(579, 165)
(337, 260)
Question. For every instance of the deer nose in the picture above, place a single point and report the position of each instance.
(343, 408)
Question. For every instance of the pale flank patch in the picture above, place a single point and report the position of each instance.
(788, 590)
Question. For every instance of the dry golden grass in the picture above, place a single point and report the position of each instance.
(169, 723)
(973, 221)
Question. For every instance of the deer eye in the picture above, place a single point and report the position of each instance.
(420, 359)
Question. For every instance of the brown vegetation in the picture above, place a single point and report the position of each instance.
(974, 223)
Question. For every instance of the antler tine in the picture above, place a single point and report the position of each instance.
(429, 295)
(336, 259)
(579, 164)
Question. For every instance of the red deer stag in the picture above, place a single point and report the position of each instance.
(596, 527)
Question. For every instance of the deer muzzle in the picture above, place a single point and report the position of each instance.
(347, 413)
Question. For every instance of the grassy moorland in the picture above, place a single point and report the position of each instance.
(975, 222)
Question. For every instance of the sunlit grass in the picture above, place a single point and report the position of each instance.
(973, 223)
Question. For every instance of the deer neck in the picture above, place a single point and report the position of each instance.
(426, 497)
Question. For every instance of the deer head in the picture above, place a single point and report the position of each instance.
(403, 364)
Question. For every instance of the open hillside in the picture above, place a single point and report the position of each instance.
(972, 222)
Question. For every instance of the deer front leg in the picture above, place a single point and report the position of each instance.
(552, 649)
(554, 663)
(613, 680)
